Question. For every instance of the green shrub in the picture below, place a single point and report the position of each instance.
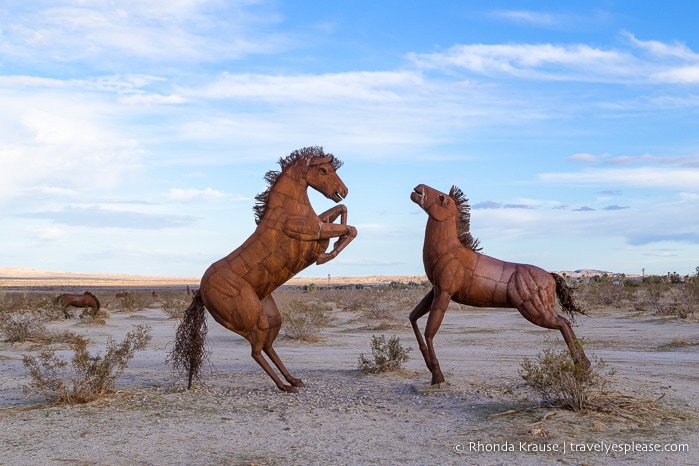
(86, 377)
(387, 356)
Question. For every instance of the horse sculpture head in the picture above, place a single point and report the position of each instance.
(309, 166)
(442, 207)
(321, 176)
(438, 205)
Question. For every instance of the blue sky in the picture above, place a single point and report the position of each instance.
(134, 135)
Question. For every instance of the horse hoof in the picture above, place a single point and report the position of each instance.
(289, 389)
(437, 379)
(298, 383)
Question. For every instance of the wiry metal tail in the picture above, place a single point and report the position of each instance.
(189, 351)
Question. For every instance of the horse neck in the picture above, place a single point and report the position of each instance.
(441, 235)
(290, 189)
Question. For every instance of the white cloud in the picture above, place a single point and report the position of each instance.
(535, 61)
(584, 157)
(208, 194)
(662, 49)
(58, 141)
(644, 177)
(531, 17)
(664, 63)
(161, 31)
(50, 233)
(323, 88)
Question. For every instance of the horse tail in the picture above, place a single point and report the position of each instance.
(565, 297)
(189, 352)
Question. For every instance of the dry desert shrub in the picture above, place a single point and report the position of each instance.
(303, 320)
(85, 377)
(564, 384)
(131, 301)
(174, 302)
(386, 355)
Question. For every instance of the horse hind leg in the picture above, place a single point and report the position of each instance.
(574, 345)
(547, 317)
(274, 320)
(260, 339)
(536, 302)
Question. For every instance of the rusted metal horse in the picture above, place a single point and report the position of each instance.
(459, 273)
(85, 301)
(289, 237)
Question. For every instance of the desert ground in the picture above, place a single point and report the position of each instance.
(483, 415)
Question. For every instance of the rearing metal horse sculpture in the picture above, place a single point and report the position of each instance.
(459, 273)
(289, 237)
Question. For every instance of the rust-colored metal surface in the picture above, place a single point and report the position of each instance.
(459, 273)
(289, 237)
(84, 301)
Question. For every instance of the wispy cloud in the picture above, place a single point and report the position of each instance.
(324, 88)
(180, 31)
(207, 195)
(646, 177)
(528, 17)
(98, 217)
(642, 61)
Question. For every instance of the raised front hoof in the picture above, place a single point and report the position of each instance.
(297, 383)
(323, 258)
(289, 389)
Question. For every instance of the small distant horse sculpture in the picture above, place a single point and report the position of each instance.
(289, 237)
(85, 301)
(459, 273)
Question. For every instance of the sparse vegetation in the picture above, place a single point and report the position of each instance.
(31, 326)
(304, 320)
(564, 384)
(386, 355)
(85, 377)
(131, 301)
(666, 295)
(174, 303)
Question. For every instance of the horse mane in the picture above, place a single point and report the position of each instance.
(272, 176)
(463, 222)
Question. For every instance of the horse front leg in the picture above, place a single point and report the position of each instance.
(420, 310)
(330, 215)
(437, 310)
(345, 233)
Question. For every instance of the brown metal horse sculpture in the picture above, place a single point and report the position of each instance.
(289, 237)
(459, 273)
(85, 301)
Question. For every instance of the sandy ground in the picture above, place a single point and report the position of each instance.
(482, 417)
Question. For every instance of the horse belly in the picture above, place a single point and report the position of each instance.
(487, 284)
